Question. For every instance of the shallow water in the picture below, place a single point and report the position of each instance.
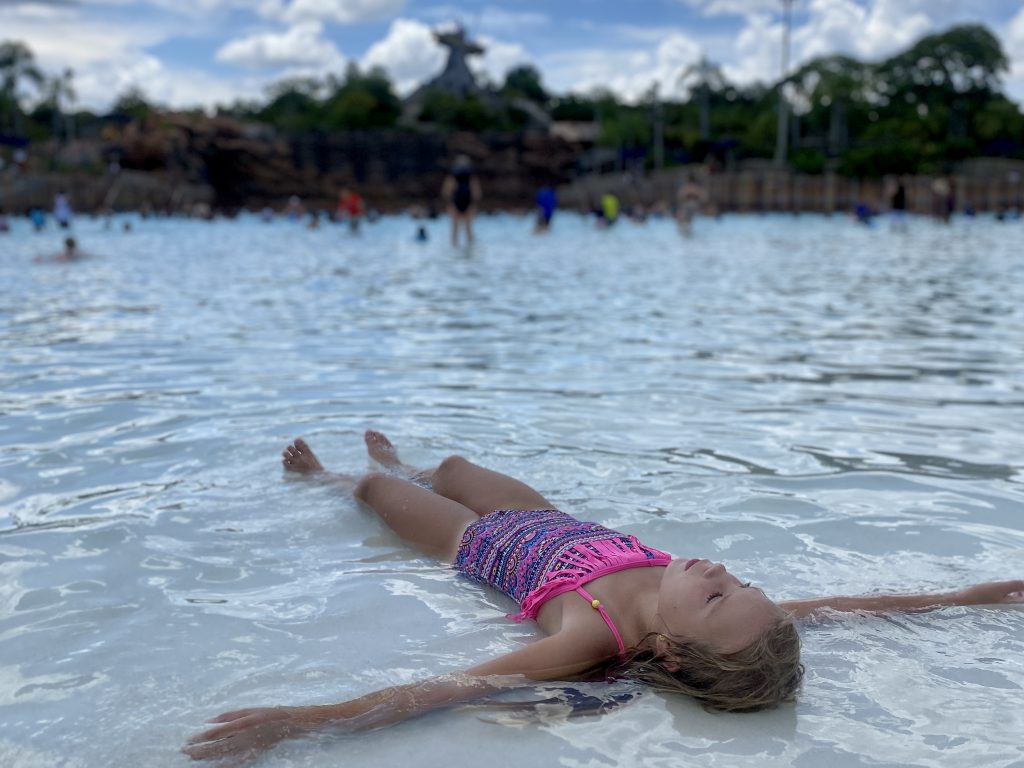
(827, 408)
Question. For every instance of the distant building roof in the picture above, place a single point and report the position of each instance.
(576, 132)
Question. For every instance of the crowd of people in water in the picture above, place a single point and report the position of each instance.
(462, 192)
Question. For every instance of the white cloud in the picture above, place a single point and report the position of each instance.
(339, 11)
(734, 7)
(210, 11)
(411, 56)
(498, 58)
(303, 45)
(1013, 44)
(629, 72)
(99, 83)
(408, 53)
(869, 32)
(757, 53)
(490, 18)
(60, 37)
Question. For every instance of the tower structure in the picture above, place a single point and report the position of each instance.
(457, 77)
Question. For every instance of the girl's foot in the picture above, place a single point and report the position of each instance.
(381, 450)
(299, 457)
(384, 453)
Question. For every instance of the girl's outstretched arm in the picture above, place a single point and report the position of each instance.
(244, 734)
(988, 593)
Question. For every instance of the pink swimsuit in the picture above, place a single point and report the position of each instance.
(534, 556)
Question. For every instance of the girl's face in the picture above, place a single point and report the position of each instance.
(701, 601)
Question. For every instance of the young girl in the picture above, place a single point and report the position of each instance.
(606, 602)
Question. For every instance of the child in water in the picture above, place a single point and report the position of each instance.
(607, 603)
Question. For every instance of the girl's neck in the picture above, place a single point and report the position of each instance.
(632, 598)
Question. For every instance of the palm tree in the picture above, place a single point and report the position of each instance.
(16, 64)
(701, 79)
(60, 89)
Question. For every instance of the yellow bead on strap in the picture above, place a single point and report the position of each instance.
(595, 603)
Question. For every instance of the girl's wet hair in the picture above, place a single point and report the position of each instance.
(764, 674)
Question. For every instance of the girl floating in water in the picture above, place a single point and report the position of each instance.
(607, 603)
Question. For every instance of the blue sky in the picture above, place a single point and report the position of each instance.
(186, 53)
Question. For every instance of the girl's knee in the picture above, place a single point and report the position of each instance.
(368, 483)
(447, 472)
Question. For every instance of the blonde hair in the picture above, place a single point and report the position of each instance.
(764, 674)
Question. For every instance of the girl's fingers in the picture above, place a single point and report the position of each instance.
(224, 717)
(221, 731)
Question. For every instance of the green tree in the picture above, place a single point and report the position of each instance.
(294, 105)
(132, 103)
(573, 108)
(524, 82)
(465, 114)
(702, 80)
(60, 92)
(831, 92)
(17, 63)
(952, 74)
(361, 101)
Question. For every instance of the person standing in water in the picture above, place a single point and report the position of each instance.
(351, 208)
(547, 202)
(62, 209)
(898, 206)
(609, 605)
(461, 194)
(689, 200)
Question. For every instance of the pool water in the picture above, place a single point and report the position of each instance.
(825, 407)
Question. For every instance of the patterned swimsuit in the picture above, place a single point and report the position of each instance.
(534, 556)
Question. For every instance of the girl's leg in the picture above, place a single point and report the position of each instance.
(482, 490)
(431, 523)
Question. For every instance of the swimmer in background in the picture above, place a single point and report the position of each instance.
(609, 210)
(690, 198)
(38, 218)
(5, 225)
(461, 195)
(294, 210)
(62, 209)
(70, 253)
(547, 202)
(864, 214)
(351, 208)
(898, 206)
(610, 606)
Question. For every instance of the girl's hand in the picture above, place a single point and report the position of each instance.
(991, 593)
(243, 734)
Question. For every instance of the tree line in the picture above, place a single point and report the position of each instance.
(919, 111)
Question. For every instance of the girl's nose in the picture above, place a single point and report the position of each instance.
(714, 570)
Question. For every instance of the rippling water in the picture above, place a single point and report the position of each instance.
(827, 408)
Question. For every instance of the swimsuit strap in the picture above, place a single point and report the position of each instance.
(596, 605)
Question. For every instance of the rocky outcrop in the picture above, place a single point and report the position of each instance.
(174, 161)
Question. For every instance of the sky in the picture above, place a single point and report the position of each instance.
(188, 53)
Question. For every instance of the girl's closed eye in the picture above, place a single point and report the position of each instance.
(712, 596)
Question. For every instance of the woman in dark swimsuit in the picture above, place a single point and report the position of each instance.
(461, 195)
